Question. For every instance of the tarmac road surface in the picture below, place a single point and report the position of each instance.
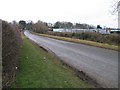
(98, 63)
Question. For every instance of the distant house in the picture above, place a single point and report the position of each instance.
(50, 27)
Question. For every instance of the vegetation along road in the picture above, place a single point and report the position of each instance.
(98, 63)
(38, 69)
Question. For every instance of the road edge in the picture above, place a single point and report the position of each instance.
(80, 74)
(90, 43)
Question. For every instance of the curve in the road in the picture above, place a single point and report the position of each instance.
(100, 64)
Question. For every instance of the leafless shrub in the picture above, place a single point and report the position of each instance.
(92, 36)
(11, 42)
(40, 27)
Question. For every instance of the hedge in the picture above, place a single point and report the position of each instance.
(11, 42)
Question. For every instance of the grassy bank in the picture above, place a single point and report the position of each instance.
(86, 42)
(38, 69)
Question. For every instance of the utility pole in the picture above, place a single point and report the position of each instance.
(118, 7)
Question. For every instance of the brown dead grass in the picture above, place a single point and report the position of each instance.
(86, 42)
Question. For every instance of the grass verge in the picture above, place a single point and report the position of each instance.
(86, 42)
(38, 69)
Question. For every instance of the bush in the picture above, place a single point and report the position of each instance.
(40, 27)
(11, 42)
(112, 39)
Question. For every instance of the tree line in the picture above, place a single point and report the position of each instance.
(42, 27)
(69, 25)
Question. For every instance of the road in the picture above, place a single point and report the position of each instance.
(98, 63)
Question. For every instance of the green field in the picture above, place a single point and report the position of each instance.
(38, 69)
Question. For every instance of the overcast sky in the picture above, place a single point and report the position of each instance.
(76, 11)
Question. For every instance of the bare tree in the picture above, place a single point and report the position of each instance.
(29, 25)
(114, 7)
(40, 27)
(22, 24)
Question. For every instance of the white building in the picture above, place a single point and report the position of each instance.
(119, 14)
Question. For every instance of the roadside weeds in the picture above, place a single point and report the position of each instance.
(80, 41)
